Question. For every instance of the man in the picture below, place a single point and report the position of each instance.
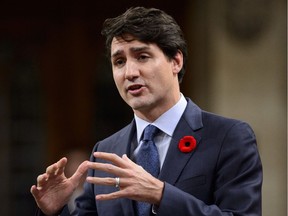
(204, 164)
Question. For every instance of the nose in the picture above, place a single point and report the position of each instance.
(131, 70)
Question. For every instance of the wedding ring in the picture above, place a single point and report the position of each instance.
(117, 182)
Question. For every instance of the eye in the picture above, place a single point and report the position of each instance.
(119, 62)
(143, 57)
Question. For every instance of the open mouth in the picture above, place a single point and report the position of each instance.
(134, 87)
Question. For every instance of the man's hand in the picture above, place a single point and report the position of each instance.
(135, 182)
(53, 189)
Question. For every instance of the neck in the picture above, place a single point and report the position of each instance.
(154, 112)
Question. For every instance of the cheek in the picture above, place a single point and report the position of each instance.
(164, 77)
(117, 78)
(119, 82)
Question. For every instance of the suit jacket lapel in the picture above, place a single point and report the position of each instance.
(124, 147)
(189, 124)
(123, 142)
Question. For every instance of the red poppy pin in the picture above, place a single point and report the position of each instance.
(187, 144)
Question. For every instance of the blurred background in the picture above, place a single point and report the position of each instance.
(57, 94)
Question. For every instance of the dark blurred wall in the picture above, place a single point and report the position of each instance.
(56, 87)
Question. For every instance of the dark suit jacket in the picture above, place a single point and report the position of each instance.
(221, 176)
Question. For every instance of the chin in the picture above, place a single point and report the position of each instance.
(138, 105)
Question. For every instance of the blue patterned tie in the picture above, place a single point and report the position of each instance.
(148, 158)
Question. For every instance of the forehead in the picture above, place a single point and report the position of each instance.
(120, 43)
(131, 45)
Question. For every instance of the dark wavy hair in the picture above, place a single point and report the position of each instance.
(149, 25)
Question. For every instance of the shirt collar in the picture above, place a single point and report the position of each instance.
(167, 122)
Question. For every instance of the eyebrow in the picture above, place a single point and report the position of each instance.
(139, 49)
(118, 52)
(132, 49)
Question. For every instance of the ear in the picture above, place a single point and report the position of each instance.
(177, 62)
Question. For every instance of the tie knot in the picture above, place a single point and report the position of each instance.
(149, 132)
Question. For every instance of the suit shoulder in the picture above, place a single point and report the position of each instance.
(117, 140)
(123, 131)
(218, 119)
(212, 120)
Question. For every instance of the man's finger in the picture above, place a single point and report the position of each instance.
(57, 168)
(114, 158)
(61, 164)
(128, 160)
(110, 196)
(41, 180)
(101, 181)
(107, 167)
(80, 172)
(51, 170)
(35, 191)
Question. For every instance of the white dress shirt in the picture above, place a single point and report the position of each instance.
(167, 123)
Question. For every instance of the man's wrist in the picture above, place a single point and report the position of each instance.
(159, 193)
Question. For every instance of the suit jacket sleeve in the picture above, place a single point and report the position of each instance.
(236, 185)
